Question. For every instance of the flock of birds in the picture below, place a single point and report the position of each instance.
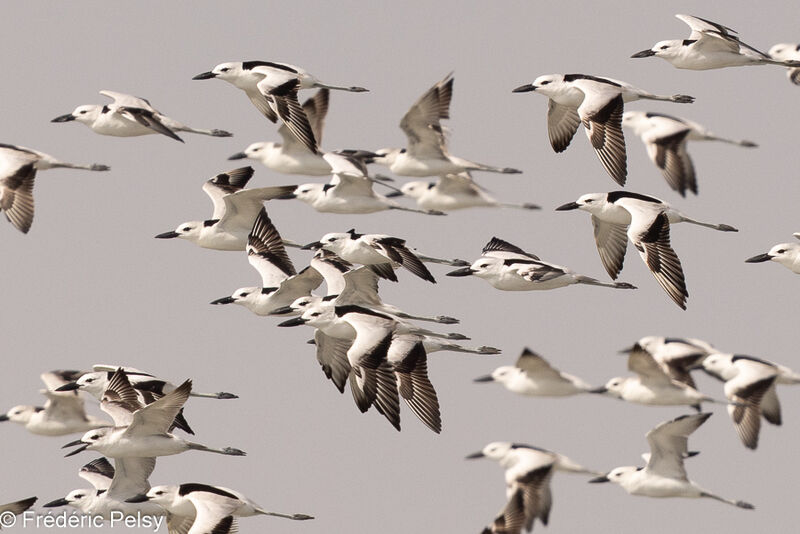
(374, 346)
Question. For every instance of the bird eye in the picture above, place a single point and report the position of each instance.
(315, 314)
(89, 380)
(331, 240)
(589, 201)
(79, 496)
(159, 493)
(545, 82)
(664, 47)
(186, 229)
(483, 265)
(83, 112)
(244, 294)
(256, 149)
(226, 69)
(96, 436)
(305, 190)
(781, 251)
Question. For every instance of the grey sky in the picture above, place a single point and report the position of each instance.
(89, 284)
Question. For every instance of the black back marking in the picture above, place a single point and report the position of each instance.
(616, 195)
(250, 65)
(185, 489)
(573, 77)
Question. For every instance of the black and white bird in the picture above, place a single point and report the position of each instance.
(528, 471)
(786, 254)
(18, 166)
(382, 253)
(454, 192)
(676, 356)
(597, 103)
(665, 475)
(63, 413)
(427, 154)
(291, 156)
(750, 384)
(790, 52)
(709, 46)
(140, 431)
(620, 216)
(509, 268)
(200, 508)
(665, 138)
(130, 116)
(281, 284)
(235, 211)
(652, 385)
(349, 191)
(17, 507)
(112, 487)
(533, 376)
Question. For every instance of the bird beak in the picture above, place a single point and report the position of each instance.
(238, 155)
(64, 118)
(283, 310)
(316, 245)
(297, 321)
(3, 418)
(72, 443)
(286, 196)
(142, 497)
(568, 206)
(167, 235)
(72, 386)
(223, 300)
(76, 451)
(465, 271)
(487, 378)
(758, 259)
(527, 88)
(600, 390)
(205, 76)
(393, 194)
(55, 503)
(595, 480)
(474, 455)
(643, 53)
(627, 350)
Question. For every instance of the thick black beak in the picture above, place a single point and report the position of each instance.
(630, 349)
(223, 300)
(72, 443)
(64, 118)
(72, 386)
(474, 455)
(3, 418)
(297, 321)
(76, 451)
(599, 479)
(286, 196)
(316, 245)
(527, 88)
(142, 497)
(758, 259)
(487, 378)
(643, 53)
(283, 310)
(598, 390)
(167, 235)
(238, 155)
(568, 206)
(205, 76)
(57, 502)
(393, 194)
(465, 271)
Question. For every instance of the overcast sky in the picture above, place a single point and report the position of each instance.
(89, 284)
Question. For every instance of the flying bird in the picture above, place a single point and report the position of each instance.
(790, 52)
(597, 103)
(786, 254)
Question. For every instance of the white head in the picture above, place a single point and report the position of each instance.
(670, 49)
(81, 499)
(248, 297)
(309, 193)
(90, 439)
(85, 114)
(635, 120)
(787, 254)
(785, 51)
(497, 450)
(190, 230)
(503, 374)
(94, 383)
(547, 84)
(387, 156)
(619, 475)
(591, 202)
(230, 72)
(20, 414)
(720, 365)
(613, 387)
(335, 241)
(300, 305)
(164, 496)
(415, 189)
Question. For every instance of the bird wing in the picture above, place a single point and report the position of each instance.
(351, 186)
(55, 379)
(157, 417)
(649, 233)
(497, 248)
(771, 406)
(643, 364)
(535, 365)
(562, 123)
(421, 123)
(99, 473)
(64, 406)
(179, 524)
(214, 516)
(530, 498)
(332, 356)
(332, 268)
(289, 110)
(360, 287)
(17, 507)
(131, 477)
(242, 207)
(668, 152)
(458, 184)
(122, 99)
(711, 36)
(411, 367)
(601, 114)
(266, 253)
(395, 249)
(120, 400)
(612, 241)
(224, 184)
(262, 104)
(147, 118)
(746, 415)
(16, 189)
(669, 445)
